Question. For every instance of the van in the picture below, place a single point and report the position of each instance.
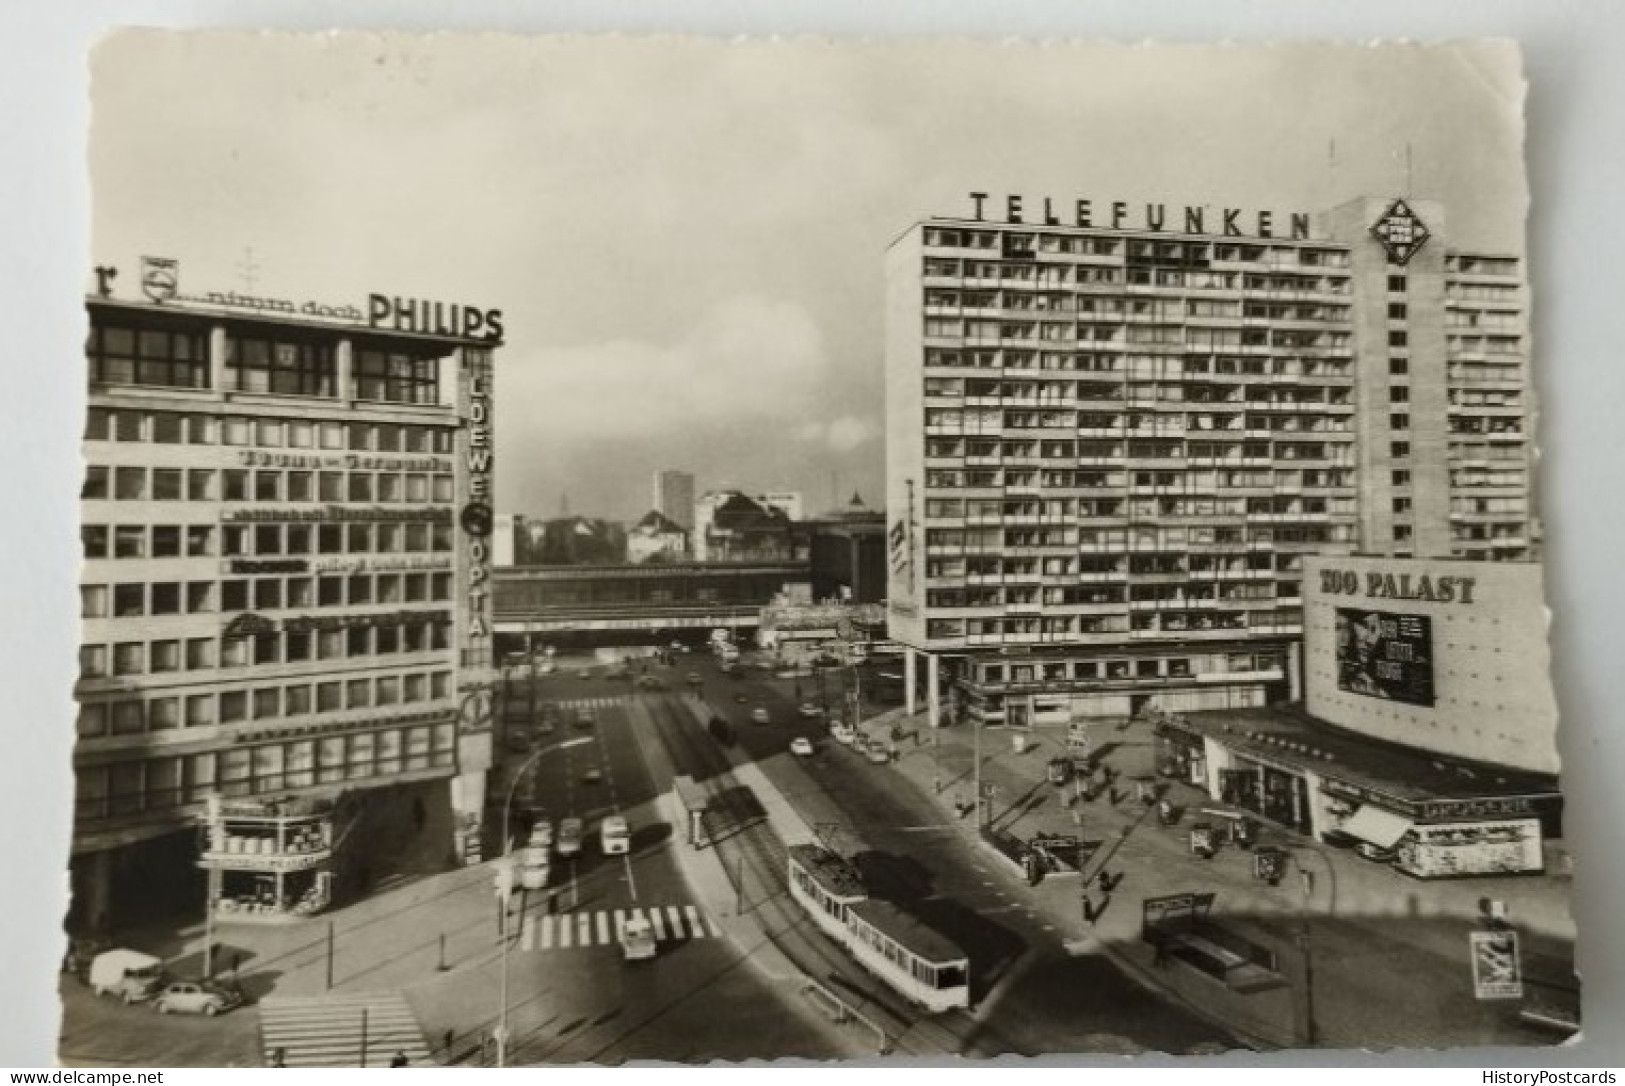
(127, 974)
(614, 836)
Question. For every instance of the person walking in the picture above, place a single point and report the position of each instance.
(399, 1059)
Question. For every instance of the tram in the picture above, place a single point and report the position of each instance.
(914, 960)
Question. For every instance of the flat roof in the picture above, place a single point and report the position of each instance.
(910, 932)
(1291, 736)
(203, 312)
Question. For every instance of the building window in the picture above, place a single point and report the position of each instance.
(199, 711)
(129, 600)
(128, 355)
(291, 368)
(1399, 394)
(1396, 311)
(234, 595)
(96, 479)
(199, 597)
(233, 706)
(166, 598)
(166, 656)
(1398, 338)
(1399, 367)
(1396, 284)
(200, 485)
(1400, 449)
(93, 601)
(299, 486)
(1402, 505)
(199, 540)
(1402, 478)
(199, 654)
(397, 377)
(1399, 422)
(130, 484)
(235, 485)
(166, 541)
(129, 658)
(92, 661)
(168, 428)
(267, 486)
(1402, 533)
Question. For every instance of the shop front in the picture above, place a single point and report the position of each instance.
(267, 862)
(1181, 755)
(1446, 837)
(1274, 791)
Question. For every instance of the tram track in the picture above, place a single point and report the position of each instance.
(760, 852)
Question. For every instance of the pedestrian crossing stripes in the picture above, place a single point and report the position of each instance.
(363, 1029)
(603, 927)
(592, 703)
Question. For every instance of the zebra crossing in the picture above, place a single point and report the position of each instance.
(607, 702)
(602, 927)
(361, 1029)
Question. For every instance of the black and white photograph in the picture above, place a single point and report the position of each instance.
(604, 549)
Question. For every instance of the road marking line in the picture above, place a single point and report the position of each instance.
(547, 933)
(695, 925)
(566, 929)
(603, 929)
(620, 924)
(716, 932)
(584, 929)
(659, 923)
(676, 919)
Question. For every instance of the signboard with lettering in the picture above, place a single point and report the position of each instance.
(1385, 655)
(474, 523)
(1497, 969)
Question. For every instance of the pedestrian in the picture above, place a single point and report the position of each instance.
(1161, 959)
(399, 1059)
(279, 1057)
(451, 1035)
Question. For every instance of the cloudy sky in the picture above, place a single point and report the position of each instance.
(687, 236)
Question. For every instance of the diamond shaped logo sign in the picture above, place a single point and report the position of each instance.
(1400, 232)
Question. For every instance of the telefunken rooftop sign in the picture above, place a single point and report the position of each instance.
(160, 282)
(1121, 215)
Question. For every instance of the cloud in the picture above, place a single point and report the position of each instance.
(747, 361)
(842, 435)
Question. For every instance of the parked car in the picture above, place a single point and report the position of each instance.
(877, 752)
(128, 975)
(694, 679)
(802, 746)
(541, 834)
(811, 711)
(760, 715)
(649, 682)
(584, 718)
(1376, 853)
(844, 735)
(195, 997)
(593, 776)
(569, 839)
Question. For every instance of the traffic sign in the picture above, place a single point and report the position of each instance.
(1497, 969)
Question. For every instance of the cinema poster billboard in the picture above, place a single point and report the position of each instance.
(1385, 655)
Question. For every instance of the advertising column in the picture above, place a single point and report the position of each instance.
(475, 664)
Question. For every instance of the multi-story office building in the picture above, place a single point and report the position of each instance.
(674, 497)
(1111, 447)
(286, 622)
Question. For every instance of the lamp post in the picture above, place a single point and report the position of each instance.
(505, 886)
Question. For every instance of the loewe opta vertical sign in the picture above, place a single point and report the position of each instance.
(475, 519)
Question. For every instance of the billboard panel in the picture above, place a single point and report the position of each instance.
(1385, 655)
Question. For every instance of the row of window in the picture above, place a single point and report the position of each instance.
(130, 716)
(239, 485)
(172, 655)
(165, 356)
(154, 785)
(139, 598)
(192, 428)
(1194, 566)
(241, 540)
(1160, 366)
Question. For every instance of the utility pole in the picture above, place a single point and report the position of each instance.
(1306, 996)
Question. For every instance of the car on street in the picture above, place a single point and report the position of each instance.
(844, 735)
(694, 679)
(614, 835)
(802, 746)
(583, 672)
(743, 699)
(638, 939)
(593, 776)
(569, 839)
(541, 834)
(649, 682)
(195, 997)
(760, 715)
(125, 974)
(811, 711)
(584, 718)
(877, 752)
(1376, 853)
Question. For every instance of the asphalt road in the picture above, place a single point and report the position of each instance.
(699, 999)
(1031, 995)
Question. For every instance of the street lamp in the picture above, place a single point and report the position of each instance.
(505, 884)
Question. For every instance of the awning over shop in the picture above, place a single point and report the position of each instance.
(1381, 828)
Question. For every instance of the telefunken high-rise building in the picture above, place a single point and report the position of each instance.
(286, 662)
(1115, 432)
